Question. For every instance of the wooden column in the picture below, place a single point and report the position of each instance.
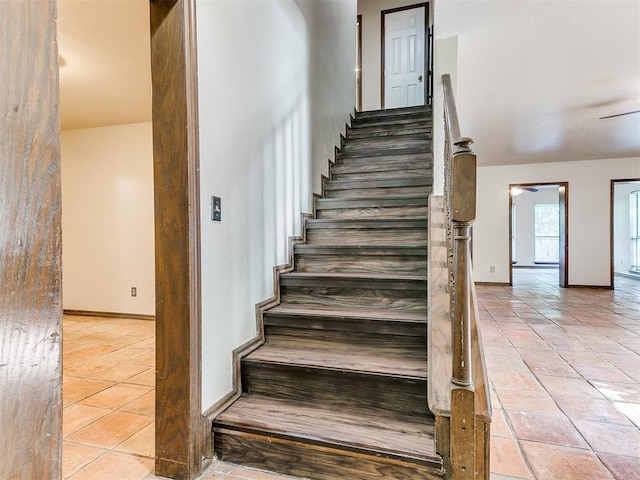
(179, 432)
(30, 242)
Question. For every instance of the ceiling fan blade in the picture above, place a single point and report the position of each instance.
(620, 114)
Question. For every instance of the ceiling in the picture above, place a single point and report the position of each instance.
(105, 73)
(534, 76)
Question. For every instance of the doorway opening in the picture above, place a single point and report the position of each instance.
(538, 232)
(404, 54)
(625, 230)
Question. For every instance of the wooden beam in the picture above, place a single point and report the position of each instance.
(179, 431)
(30, 246)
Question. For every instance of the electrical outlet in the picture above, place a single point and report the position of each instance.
(134, 291)
(492, 269)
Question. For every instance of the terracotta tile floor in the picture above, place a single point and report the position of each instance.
(564, 365)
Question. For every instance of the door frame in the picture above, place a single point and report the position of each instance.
(611, 224)
(181, 436)
(426, 47)
(358, 62)
(563, 202)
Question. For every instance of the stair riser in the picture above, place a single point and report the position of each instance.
(335, 389)
(375, 174)
(296, 458)
(407, 340)
(401, 158)
(287, 325)
(385, 153)
(357, 213)
(383, 145)
(361, 264)
(388, 120)
(384, 131)
(413, 301)
(381, 132)
(378, 192)
(351, 236)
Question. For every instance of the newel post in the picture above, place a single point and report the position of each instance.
(463, 213)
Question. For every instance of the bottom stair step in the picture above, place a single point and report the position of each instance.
(348, 443)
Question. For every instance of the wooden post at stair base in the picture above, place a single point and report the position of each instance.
(463, 212)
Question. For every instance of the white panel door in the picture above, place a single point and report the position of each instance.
(404, 77)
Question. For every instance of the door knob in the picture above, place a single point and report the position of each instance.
(419, 78)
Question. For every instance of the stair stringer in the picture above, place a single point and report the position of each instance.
(253, 344)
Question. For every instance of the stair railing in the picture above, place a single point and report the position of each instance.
(467, 447)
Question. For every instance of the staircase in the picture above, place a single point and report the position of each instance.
(339, 388)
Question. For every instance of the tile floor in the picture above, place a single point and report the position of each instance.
(564, 365)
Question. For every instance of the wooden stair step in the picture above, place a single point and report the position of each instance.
(345, 357)
(394, 292)
(386, 112)
(327, 443)
(369, 141)
(378, 183)
(371, 231)
(353, 280)
(383, 154)
(378, 187)
(365, 320)
(354, 208)
(408, 259)
(327, 370)
(399, 158)
(422, 128)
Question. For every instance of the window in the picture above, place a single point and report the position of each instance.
(547, 233)
(635, 231)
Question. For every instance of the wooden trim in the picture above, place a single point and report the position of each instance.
(611, 224)
(359, 62)
(493, 284)
(30, 243)
(426, 46)
(179, 421)
(91, 313)
(563, 201)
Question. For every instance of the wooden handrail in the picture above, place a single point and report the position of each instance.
(467, 448)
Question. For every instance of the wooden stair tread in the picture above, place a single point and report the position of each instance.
(341, 358)
(417, 180)
(351, 428)
(395, 250)
(300, 309)
(352, 276)
(368, 223)
(372, 202)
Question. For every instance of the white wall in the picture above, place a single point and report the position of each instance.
(371, 47)
(622, 226)
(588, 210)
(525, 221)
(107, 219)
(273, 100)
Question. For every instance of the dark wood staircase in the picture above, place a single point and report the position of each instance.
(338, 390)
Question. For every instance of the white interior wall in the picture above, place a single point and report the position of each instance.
(273, 102)
(588, 210)
(525, 221)
(371, 47)
(622, 226)
(107, 219)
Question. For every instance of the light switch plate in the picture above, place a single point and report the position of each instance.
(216, 209)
